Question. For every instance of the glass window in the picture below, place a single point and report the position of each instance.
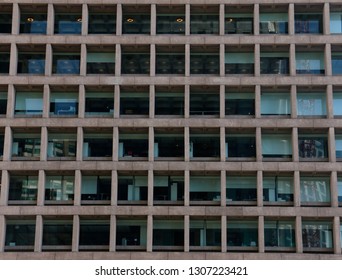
(59, 188)
(131, 234)
(1, 144)
(57, 234)
(3, 103)
(241, 188)
(204, 144)
(279, 233)
(66, 63)
(168, 144)
(204, 23)
(310, 63)
(23, 188)
(239, 63)
(242, 233)
(28, 103)
(26, 145)
(168, 189)
(205, 233)
(6, 21)
(133, 145)
(204, 63)
(136, 19)
(274, 63)
(339, 189)
(317, 234)
(135, 63)
(204, 103)
(337, 103)
(98, 144)
(94, 233)
(205, 188)
(100, 63)
(31, 63)
(61, 145)
(99, 103)
(240, 103)
(168, 233)
(170, 23)
(313, 146)
(276, 145)
(132, 189)
(338, 146)
(33, 22)
(311, 104)
(240, 145)
(238, 23)
(64, 103)
(168, 102)
(170, 63)
(275, 103)
(335, 22)
(20, 234)
(273, 23)
(336, 61)
(134, 103)
(278, 188)
(102, 22)
(95, 188)
(314, 189)
(308, 23)
(4, 62)
(68, 23)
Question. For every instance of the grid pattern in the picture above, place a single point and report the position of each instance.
(162, 138)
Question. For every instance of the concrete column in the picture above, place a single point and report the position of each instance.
(296, 189)
(116, 101)
(77, 188)
(298, 233)
(152, 101)
(50, 20)
(292, 60)
(291, 26)
(186, 101)
(333, 189)
(10, 102)
(115, 143)
(4, 188)
(256, 19)
(221, 18)
(186, 233)
(117, 60)
(186, 144)
(41, 188)
(326, 18)
(75, 233)
(223, 234)
(119, 19)
(150, 184)
(7, 144)
(44, 144)
(187, 19)
(330, 102)
(48, 60)
(187, 60)
(261, 234)
(85, 19)
(186, 188)
(337, 235)
(258, 144)
(46, 101)
(295, 150)
(149, 241)
(223, 188)
(222, 144)
(2, 232)
(260, 196)
(153, 19)
(81, 102)
(152, 60)
(114, 189)
(222, 61)
(83, 60)
(293, 101)
(257, 101)
(38, 239)
(150, 144)
(79, 144)
(13, 60)
(112, 233)
(331, 144)
(15, 19)
(257, 60)
(222, 101)
(327, 59)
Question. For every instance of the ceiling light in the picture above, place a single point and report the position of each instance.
(179, 20)
(30, 19)
(130, 20)
(79, 19)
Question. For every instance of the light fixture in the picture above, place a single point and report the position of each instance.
(79, 19)
(230, 20)
(179, 20)
(30, 19)
(130, 19)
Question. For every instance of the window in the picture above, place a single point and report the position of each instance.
(336, 61)
(205, 189)
(4, 59)
(133, 144)
(68, 20)
(3, 102)
(168, 143)
(98, 144)
(134, 101)
(168, 189)
(278, 188)
(339, 189)
(66, 62)
(313, 146)
(26, 145)
(239, 62)
(136, 19)
(59, 188)
(204, 20)
(308, 23)
(311, 104)
(204, 101)
(335, 22)
(279, 233)
(95, 189)
(241, 189)
(131, 234)
(102, 20)
(31, 61)
(170, 20)
(33, 20)
(240, 145)
(94, 234)
(57, 234)
(204, 143)
(99, 102)
(100, 62)
(238, 20)
(169, 101)
(275, 103)
(337, 104)
(314, 189)
(338, 146)
(28, 103)
(132, 189)
(170, 60)
(274, 63)
(240, 103)
(204, 60)
(316, 235)
(64, 103)
(310, 63)
(135, 60)
(6, 19)
(61, 145)
(242, 233)
(276, 145)
(23, 188)
(168, 234)
(273, 21)
(205, 234)
(20, 234)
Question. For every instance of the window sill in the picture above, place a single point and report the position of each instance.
(95, 202)
(280, 249)
(278, 203)
(205, 202)
(59, 202)
(167, 248)
(205, 248)
(19, 248)
(130, 248)
(22, 202)
(16, 158)
(252, 202)
(242, 248)
(93, 248)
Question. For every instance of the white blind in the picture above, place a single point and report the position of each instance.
(335, 23)
(309, 61)
(274, 17)
(275, 103)
(101, 57)
(205, 183)
(243, 182)
(239, 58)
(276, 144)
(337, 103)
(311, 104)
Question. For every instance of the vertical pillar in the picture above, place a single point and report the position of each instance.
(187, 19)
(292, 60)
(152, 60)
(291, 14)
(83, 60)
(46, 101)
(79, 144)
(186, 101)
(223, 144)
(119, 19)
(295, 150)
(7, 144)
(150, 144)
(81, 102)
(256, 19)
(44, 144)
(48, 60)
(116, 101)
(299, 241)
(152, 101)
(257, 101)
(296, 189)
(222, 60)
(112, 233)
(337, 235)
(149, 241)
(258, 143)
(186, 188)
(187, 144)
(330, 102)
(115, 143)
(2, 232)
(4, 188)
(261, 234)
(75, 233)
(114, 189)
(187, 60)
(260, 196)
(333, 189)
(222, 101)
(326, 18)
(223, 234)
(293, 101)
(327, 59)
(153, 19)
(13, 60)
(150, 183)
(41, 188)
(77, 188)
(15, 19)
(38, 239)
(117, 60)
(221, 18)
(257, 60)
(10, 101)
(186, 233)
(331, 144)
(223, 188)
(85, 19)
(50, 19)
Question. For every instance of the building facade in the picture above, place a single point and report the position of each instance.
(170, 129)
